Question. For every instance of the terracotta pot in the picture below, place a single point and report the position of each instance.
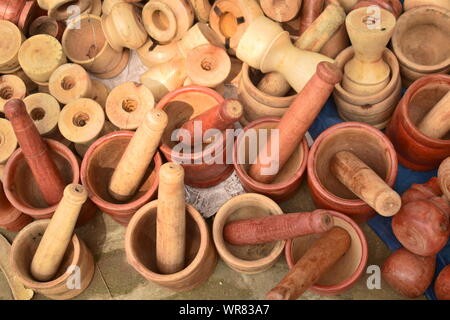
(369, 41)
(87, 46)
(201, 9)
(10, 218)
(248, 259)
(347, 270)
(421, 42)
(77, 254)
(11, 87)
(21, 188)
(96, 171)
(369, 145)
(123, 27)
(286, 181)
(8, 140)
(59, 9)
(127, 104)
(44, 110)
(167, 20)
(258, 104)
(19, 12)
(444, 177)
(230, 19)
(375, 109)
(10, 43)
(442, 284)
(39, 56)
(267, 47)
(415, 150)
(281, 10)
(47, 25)
(182, 105)
(140, 247)
(409, 4)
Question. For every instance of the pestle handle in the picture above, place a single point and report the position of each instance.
(365, 183)
(319, 258)
(219, 117)
(277, 227)
(138, 155)
(171, 219)
(310, 10)
(36, 153)
(58, 234)
(436, 123)
(298, 118)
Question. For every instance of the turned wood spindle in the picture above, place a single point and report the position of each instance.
(220, 117)
(57, 236)
(277, 227)
(365, 183)
(436, 123)
(171, 219)
(298, 118)
(319, 258)
(138, 155)
(36, 152)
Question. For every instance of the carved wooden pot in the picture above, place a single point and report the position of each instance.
(182, 105)
(415, 150)
(287, 180)
(140, 247)
(248, 259)
(77, 254)
(347, 270)
(88, 47)
(97, 168)
(375, 109)
(368, 144)
(421, 42)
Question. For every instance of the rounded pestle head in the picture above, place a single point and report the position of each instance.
(156, 120)
(15, 108)
(75, 194)
(171, 173)
(329, 72)
(388, 203)
(232, 110)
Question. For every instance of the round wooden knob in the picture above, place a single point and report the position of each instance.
(128, 103)
(8, 140)
(10, 43)
(44, 111)
(81, 120)
(11, 87)
(39, 56)
(208, 65)
(70, 82)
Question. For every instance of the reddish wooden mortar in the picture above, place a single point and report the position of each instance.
(23, 193)
(347, 270)
(97, 168)
(415, 150)
(19, 12)
(182, 105)
(366, 142)
(289, 177)
(10, 218)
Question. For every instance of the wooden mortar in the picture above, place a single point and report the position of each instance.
(47, 25)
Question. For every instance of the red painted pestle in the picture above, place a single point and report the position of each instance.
(220, 117)
(277, 227)
(310, 10)
(298, 118)
(35, 151)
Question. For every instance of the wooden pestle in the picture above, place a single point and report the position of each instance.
(277, 227)
(436, 123)
(220, 117)
(309, 12)
(36, 152)
(319, 258)
(138, 155)
(312, 39)
(299, 117)
(365, 183)
(57, 236)
(171, 219)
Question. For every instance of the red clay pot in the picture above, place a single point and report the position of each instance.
(288, 179)
(10, 218)
(182, 105)
(97, 168)
(366, 142)
(415, 150)
(23, 193)
(347, 270)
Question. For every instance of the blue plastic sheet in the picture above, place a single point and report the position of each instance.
(382, 225)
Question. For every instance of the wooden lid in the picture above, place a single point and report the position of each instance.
(10, 42)
(70, 82)
(44, 110)
(11, 87)
(8, 140)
